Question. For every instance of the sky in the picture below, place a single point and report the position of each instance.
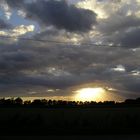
(87, 43)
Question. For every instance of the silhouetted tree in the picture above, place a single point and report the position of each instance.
(18, 101)
(129, 101)
(38, 102)
(27, 103)
(9, 102)
(109, 102)
(2, 101)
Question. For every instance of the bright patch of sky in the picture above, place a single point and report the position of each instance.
(17, 20)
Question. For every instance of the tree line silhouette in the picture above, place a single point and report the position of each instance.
(18, 102)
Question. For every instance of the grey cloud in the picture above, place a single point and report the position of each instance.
(31, 65)
(121, 30)
(4, 25)
(59, 14)
(15, 60)
(121, 18)
(130, 83)
(118, 23)
(131, 39)
(133, 86)
(15, 3)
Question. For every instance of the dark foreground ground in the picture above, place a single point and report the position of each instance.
(69, 123)
(106, 137)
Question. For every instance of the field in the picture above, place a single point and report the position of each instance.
(96, 137)
(69, 121)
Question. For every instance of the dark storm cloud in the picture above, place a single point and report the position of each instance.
(15, 3)
(4, 25)
(133, 85)
(116, 23)
(128, 83)
(120, 29)
(59, 14)
(27, 65)
(131, 39)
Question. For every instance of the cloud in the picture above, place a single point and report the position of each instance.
(5, 8)
(102, 22)
(15, 3)
(121, 30)
(130, 38)
(17, 31)
(30, 66)
(59, 14)
(117, 23)
(33, 67)
(4, 25)
(119, 68)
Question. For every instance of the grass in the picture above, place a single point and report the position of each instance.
(70, 120)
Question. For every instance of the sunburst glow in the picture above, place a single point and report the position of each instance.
(90, 94)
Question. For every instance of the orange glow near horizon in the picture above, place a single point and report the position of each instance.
(90, 94)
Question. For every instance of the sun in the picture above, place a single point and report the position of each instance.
(89, 94)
